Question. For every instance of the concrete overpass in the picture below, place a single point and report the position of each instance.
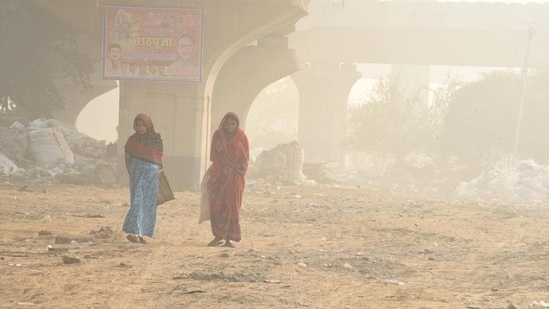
(186, 112)
(249, 44)
(411, 36)
(422, 33)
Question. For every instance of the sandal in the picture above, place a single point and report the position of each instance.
(215, 242)
(132, 238)
(142, 240)
(229, 244)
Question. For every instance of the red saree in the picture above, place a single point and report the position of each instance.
(229, 155)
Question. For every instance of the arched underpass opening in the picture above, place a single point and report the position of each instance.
(99, 118)
(273, 116)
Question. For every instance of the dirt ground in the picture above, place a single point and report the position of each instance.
(302, 247)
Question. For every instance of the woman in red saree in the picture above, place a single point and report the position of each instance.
(229, 155)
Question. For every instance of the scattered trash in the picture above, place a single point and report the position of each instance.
(74, 239)
(539, 304)
(50, 150)
(25, 304)
(70, 260)
(282, 163)
(51, 248)
(393, 281)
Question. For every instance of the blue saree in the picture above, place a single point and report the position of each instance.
(144, 179)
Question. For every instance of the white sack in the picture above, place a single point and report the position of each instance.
(48, 147)
(6, 165)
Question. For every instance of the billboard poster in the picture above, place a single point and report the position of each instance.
(153, 44)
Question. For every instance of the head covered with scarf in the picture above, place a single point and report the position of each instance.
(230, 115)
(148, 146)
(231, 147)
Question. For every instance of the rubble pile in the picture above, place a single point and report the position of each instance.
(49, 149)
(527, 181)
(283, 163)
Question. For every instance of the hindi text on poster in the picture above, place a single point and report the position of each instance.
(158, 44)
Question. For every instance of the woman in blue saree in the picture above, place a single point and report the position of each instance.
(143, 154)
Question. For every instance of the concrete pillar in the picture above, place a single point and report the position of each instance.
(247, 73)
(323, 95)
(178, 112)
